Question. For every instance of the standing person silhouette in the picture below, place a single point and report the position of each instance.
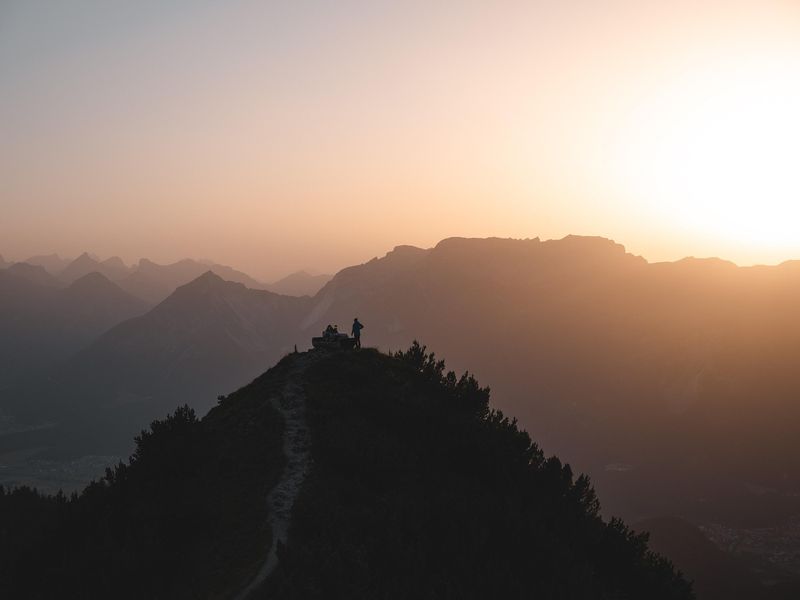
(357, 327)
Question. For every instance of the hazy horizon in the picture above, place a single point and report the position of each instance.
(311, 270)
(276, 138)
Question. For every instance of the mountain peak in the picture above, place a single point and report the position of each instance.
(207, 282)
(115, 262)
(85, 257)
(404, 255)
(590, 242)
(113, 268)
(406, 249)
(210, 276)
(91, 280)
(33, 273)
(52, 263)
(82, 262)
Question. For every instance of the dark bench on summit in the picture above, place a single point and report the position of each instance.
(331, 339)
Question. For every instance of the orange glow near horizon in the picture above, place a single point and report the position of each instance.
(316, 136)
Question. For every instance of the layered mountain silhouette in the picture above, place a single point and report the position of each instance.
(417, 489)
(673, 384)
(43, 322)
(112, 268)
(299, 283)
(52, 263)
(207, 336)
(34, 274)
(645, 373)
(155, 282)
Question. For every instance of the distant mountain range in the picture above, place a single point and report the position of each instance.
(152, 282)
(34, 274)
(112, 268)
(155, 282)
(52, 263)
(207, 334)
(43, 321)
(673, 384)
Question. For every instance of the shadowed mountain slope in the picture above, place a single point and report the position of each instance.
(640, 372)
(417, 489)
(207, 336)
(35, 274)
(52, 263)
(95, 304)
(154, 282)
(41, 324)
(299, 284)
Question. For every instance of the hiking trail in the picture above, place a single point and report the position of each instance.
(290, 402)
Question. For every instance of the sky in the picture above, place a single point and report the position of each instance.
(279, 136)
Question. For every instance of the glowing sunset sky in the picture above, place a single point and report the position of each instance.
(280, 136)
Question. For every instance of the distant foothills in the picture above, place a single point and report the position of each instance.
(673, 385)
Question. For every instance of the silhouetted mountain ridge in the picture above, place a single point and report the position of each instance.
(418, 489)
(34, 273)
(42, 322)
(155, 282)
(671, 383)
(52, 263)
(608, 358)
(208, 335)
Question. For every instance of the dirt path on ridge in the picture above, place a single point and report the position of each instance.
(291, 403)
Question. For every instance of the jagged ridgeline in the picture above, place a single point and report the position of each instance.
(415, 488)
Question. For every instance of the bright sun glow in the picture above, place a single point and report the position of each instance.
(718, 153)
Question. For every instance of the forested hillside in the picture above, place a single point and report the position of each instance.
(416, 489)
